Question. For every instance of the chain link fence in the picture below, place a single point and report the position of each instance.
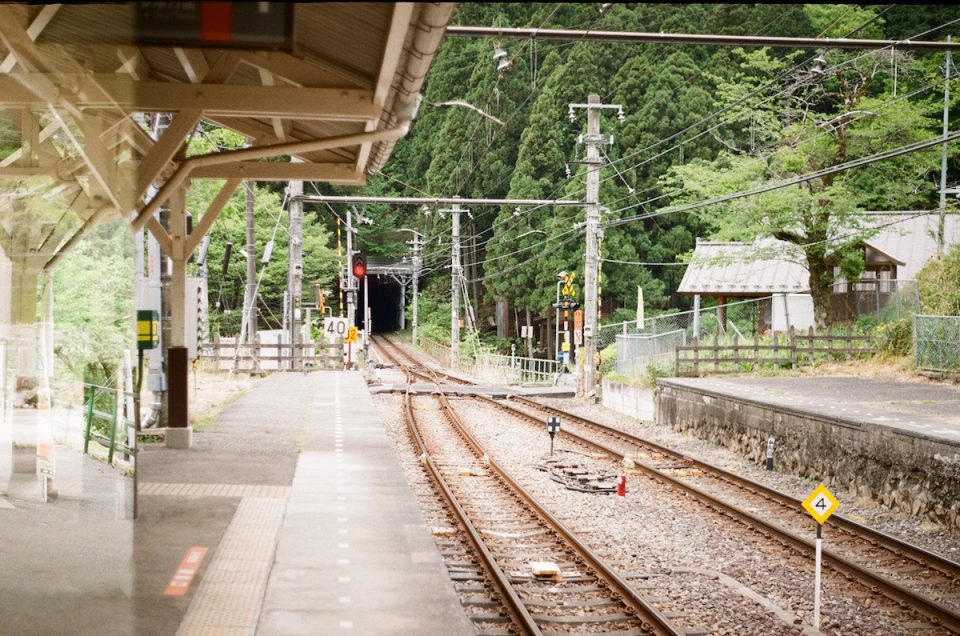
(656, 338)
(936, 343)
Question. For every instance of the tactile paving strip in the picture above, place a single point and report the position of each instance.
(227, 602)
(212, 490)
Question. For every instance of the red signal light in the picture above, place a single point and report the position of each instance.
(359, 266)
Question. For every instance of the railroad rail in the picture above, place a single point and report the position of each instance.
(513, 528)
(907, 574)
(397, 356)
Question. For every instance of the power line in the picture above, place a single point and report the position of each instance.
(856, 163)
(636, 37)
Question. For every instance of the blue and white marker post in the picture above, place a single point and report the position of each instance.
(820, 505)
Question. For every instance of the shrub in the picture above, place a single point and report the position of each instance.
(895, 338)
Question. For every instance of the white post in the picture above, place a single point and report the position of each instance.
(696, 316)
(943, 156)
(351, 285)
(816, 581)
(416, 283)
(295, 281)
(591, 266)
(455, 290)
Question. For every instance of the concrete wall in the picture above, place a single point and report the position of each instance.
(635, 401)
(906, 472)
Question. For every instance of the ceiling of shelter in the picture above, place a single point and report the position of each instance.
(75, 85)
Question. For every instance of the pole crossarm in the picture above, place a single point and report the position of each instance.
(637, 37)
(440, 201)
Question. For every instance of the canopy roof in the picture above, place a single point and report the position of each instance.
(334, 93)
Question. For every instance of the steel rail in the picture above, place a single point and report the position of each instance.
(945, 566)
(518, 611)
(937, 613)
(652, 618)
(649, 616)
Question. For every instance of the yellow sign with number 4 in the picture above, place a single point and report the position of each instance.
(821, 504)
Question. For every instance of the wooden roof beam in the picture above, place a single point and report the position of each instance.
(109, 91)
(337, 173)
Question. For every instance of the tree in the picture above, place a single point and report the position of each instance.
(818, 122)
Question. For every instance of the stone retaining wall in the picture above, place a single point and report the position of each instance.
(907, 472)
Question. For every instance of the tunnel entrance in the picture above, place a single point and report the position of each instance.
(384, 276)
(386, 296)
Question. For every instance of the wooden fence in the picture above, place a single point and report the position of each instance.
(259, 357)
(791, 349)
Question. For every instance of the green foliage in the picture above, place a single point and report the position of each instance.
(93, 308)
(940, 284)
(895, 338)
(818, 125)
(608, 359)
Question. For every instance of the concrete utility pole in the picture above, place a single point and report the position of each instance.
(591, 279)
(592, 141)
(417, 244)
(351, 285)
(455, 289)
(295, 276)
(250, 302)
(943, 157)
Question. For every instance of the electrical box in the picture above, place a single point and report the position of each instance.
(148, 329)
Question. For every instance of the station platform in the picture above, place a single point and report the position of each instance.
(917, 409)
(290, 515)
(897, 442)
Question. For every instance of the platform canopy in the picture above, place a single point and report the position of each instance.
(324, 90)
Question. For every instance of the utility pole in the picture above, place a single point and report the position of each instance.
(250, 302)
(591, 279)
(455, 290)
(295, 276)
(416, 282)
(943, 157)
(351, 286)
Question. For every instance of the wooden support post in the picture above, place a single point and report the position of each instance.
(756, 350)
(736, 349)
(793, 348)
(716, 350)
(696, 357)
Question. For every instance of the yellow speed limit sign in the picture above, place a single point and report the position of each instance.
(351, 335)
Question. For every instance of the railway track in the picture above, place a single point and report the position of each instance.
(546, 579)
(909, 576)
(397, 356)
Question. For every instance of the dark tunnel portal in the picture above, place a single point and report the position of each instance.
(385, 299)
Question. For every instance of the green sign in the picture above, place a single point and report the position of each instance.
(148, 329)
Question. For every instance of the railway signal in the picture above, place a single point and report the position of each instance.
(359, 265)
(820, 505)
(553, 427)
